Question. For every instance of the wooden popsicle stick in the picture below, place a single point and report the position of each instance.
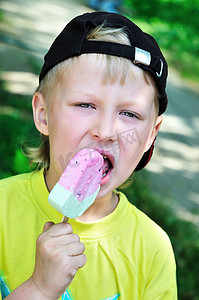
(65, 219)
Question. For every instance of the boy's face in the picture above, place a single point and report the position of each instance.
(84, 111)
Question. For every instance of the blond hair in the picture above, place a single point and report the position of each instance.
(41, 155)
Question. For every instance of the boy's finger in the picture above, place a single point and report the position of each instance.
(58, 229)
(75, 249)
(79, 261)
(47, 225)
(65, 239)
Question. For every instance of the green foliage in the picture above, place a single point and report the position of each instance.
(34, 64)
(166, 10)
(184, 235)
(175, 25)
(1, 15)
(21, 162)
(16, 128)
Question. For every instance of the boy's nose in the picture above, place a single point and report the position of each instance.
(104, 130)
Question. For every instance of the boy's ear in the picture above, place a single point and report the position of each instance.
(154, 132)
(40, 113)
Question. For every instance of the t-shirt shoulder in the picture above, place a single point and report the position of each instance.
(15, 179)
(12, 185)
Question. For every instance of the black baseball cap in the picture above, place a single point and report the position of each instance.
(144, 52)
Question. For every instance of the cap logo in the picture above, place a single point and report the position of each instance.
(142, 56)
(161, 68)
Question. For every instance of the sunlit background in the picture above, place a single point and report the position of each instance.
(168, 190)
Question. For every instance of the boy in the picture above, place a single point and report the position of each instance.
(103, 81)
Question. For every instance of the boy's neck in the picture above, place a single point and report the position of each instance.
(100, 208)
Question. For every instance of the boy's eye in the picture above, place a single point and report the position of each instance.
(84, 105)
(129, 114)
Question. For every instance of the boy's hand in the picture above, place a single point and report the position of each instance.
(59, 254)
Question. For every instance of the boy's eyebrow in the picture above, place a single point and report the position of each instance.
(135, 106)
(82, 96)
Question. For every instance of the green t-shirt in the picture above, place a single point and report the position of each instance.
(128, 255)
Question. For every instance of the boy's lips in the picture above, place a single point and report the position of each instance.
(107, 155)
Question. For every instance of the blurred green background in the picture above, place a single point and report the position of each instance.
(174, 24)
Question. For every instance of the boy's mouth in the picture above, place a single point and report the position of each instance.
(106, 167)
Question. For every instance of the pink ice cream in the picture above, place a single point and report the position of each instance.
(79, 184)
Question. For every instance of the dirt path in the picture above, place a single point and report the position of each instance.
(174, 169)
(27, 31)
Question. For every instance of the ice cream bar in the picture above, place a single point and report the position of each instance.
(79, 184)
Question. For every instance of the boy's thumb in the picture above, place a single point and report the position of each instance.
(47, 225)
